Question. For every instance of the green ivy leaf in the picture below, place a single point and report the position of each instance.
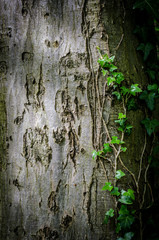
(151, 73)
(121, 115)
(150, 125)
(112, 58)
(112, 68)
(131, 104)
(149, 99)
(123, 210)
(117, 94)
(107, 186)
(107, 148)
(127, 236)
(118, 228)
(124, 90)
(110, 80)
(126, 221)
(120, 238)
(121, 129)
(128, 129)
(123, 149)
(152, 87)
(115, 140)
(104, 72)
(127, 197)
(119, 78)
(121, 122)
(101, 61)
(135, 89)
(119, 174)
(130, 193)
(109, 213)
(115, 192)
(146, 49)
(94, 154)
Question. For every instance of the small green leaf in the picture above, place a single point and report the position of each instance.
(127, 197)
(115, 192)
(121, 129)
(121, 122)
(109, 213)
(135, 89)
(115, 140)
(107, 148)
(121, 115)
(128, 236)
(146, 49)
(124, 90)
(128, 129)
(118, 228)
(130, 193)
(117, 94)
(104, 72)
(110, 80)
(101, 61)
(131, 104)
(126, 221)
(149, 99)
(123, 149)
(123, 210)
(119, 78)
(107, 186)
(112, 68)
(119, 174)
(112, 58)
(94, 154)
(152, 87)
(150, 125)
(152, 74)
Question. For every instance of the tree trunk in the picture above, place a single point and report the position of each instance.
(50, 119)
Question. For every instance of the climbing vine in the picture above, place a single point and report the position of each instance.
(125, 211)
(124, 215)
(129, 203)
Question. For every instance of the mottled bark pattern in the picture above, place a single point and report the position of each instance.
(49, 116)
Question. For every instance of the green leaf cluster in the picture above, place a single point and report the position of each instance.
(109, 69)
(116, 140)
(150, 95)
(150, 125)
(103, 152)
(109, 213)
(125, 218)
(127, 236)
(127, 197)
(123, 126)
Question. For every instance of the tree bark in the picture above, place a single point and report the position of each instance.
(50, 119)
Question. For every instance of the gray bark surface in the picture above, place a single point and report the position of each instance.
(49, 116)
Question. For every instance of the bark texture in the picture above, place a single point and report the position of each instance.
(49, 115)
